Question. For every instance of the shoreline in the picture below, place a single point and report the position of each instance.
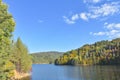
(19, 76)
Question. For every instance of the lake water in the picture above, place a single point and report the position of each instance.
(52, 72)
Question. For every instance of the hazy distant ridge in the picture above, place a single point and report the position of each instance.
(45, 57)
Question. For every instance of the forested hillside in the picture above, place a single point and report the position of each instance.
(45, 57)
(104, 53)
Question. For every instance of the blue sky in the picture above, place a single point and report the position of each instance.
(62, 25)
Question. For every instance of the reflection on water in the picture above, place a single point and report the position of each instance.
(52, 72)
(93, 72)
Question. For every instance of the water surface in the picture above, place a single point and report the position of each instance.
(52, 72)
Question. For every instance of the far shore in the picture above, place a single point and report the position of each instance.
(42, 63)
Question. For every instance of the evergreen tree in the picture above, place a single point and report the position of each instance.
(22, 60)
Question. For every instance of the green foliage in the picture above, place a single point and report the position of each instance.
(6, 28)
(13, 56)
(22, 59)
(45, 57)
(103, 53)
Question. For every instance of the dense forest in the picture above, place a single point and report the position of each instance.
(45, 57)
(14, 56)
(100, 53)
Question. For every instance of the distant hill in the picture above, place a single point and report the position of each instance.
(45, 57)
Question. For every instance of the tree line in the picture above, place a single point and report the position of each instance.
(13, 55)
(100, 53)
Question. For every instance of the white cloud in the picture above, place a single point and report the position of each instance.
(105, 9)
(83, 16)
(72, 20)
(40, 21)
(91, 1)
(75, 17)
(96, 12)
(113, 26)
(99, 34)
(96, 1)
(68, 21)
(112, 30)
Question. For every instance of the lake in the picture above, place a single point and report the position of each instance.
(53, 72)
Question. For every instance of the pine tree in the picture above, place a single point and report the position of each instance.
(22, 60)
